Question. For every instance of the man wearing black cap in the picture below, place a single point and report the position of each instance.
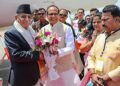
(19, 42)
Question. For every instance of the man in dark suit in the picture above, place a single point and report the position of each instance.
(19, 42)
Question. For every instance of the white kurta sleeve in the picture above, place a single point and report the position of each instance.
(69, 41)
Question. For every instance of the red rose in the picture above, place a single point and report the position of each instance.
(38, 42)
(54, 41)
(47, 33)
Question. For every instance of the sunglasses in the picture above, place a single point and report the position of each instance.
(64, 15)
(53, 14)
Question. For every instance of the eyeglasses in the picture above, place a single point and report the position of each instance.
(51, 14)
(26, 16)
(64, 15)
(41, 14)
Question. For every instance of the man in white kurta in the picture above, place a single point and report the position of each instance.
(65, 60)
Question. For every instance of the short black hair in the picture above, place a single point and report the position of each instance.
(52, 6)
(82, 22)
(99, 14)
(87, 16)
(113, 9)
(64, 10)
(41, 9)
(94, 9)
(81, 9)
(34, 11)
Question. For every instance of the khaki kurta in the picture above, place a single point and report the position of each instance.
(111, 55)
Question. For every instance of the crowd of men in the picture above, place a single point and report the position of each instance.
(94, 38)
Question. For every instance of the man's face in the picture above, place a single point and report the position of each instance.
(35, 15)
(88, 19)
(108, 21)
(41, 14)
(62, 16)
(52, 15)
(24, 19)
(92, 14)
(80, 14)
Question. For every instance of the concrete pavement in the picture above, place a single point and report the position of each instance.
(5, 65)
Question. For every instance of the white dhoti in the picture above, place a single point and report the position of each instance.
(67, 78)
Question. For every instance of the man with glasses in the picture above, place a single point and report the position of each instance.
(63, 14)
(19, 42)
(64, 62)
(62, 18)
(42, 17)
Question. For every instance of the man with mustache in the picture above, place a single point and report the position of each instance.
(103, 60)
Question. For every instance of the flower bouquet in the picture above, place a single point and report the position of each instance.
(46, 43)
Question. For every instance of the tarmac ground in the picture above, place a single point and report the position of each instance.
(4, 71)
(5, 64)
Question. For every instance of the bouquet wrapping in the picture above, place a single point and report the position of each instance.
(46, 43)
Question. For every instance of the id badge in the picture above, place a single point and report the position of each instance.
(99, 64)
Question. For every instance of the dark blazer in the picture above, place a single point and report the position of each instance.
(23, 59)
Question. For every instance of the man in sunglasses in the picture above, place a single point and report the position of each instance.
(19, 42)
(63, 14)
(42, 17)
(64, 61)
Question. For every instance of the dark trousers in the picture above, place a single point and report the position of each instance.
(83, 62)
